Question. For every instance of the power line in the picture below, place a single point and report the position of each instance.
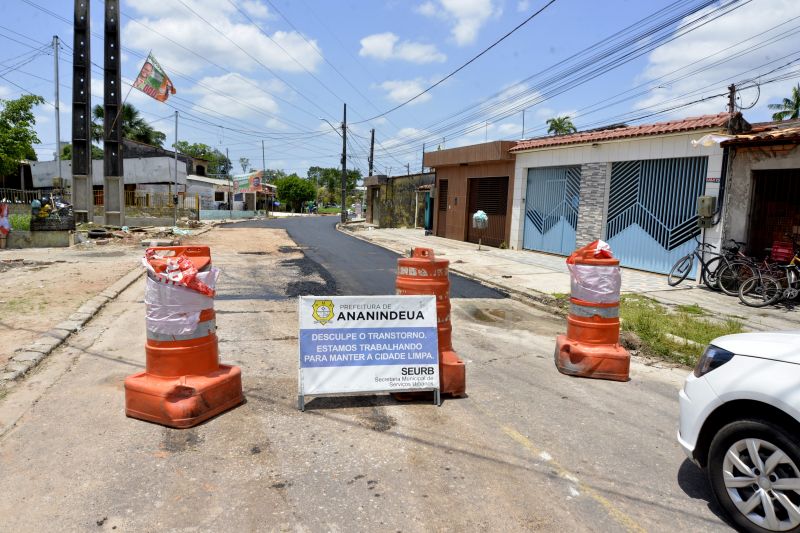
(301, 94)
(463, 66)
(566, 79)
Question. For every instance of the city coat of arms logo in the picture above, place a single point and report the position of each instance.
(322, 311)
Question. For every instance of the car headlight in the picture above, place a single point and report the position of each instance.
(713, 357)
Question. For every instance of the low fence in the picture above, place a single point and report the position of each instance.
(153, 204)
(137, 203)
(16, 196)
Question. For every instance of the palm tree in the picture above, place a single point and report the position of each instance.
(560, 125)
(134, 127)
(789, 108)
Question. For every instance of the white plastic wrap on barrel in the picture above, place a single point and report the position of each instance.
(172, 310)
(595, 284)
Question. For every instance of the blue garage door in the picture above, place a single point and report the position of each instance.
(551, 209)
(652, 210)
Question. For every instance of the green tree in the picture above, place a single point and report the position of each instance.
(218, 164)
(134, 127)
(17, 135)
(294, 191)
(331, 180)
(66, 152)
(560, 125)
(273, 175)
(789, 107)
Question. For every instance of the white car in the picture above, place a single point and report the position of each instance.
(740, 420)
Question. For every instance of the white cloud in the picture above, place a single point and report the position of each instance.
(466, 17)
(255, 9)
(399, 91)
(403, 135)
(387, 46)
(251, 108)
(749, 20)
(5, 92)
(523, 5)
(178, 24)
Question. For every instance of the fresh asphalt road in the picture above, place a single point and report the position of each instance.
(357, 267)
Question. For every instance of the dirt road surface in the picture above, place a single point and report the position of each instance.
(41, 287)
(528, 450)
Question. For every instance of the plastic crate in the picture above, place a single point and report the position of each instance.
(782, 251)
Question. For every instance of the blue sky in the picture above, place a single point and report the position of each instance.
(268, 70)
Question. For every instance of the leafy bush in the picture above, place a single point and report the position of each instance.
(20, 222)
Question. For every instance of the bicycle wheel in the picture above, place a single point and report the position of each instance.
(710, 271)
(732, 275)
(680, 270)
(760, 291)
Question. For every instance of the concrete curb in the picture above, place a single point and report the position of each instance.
(539, 300)
(26, 359)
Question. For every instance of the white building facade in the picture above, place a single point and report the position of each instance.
(634, 187)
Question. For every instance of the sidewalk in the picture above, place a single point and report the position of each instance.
(536, 275)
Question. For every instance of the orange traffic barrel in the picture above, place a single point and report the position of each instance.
(183, 383)
(423, 273)
(591, 346)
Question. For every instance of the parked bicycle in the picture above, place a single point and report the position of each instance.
(774, 283)
(731, 277)
(763, 290)
(708, 269)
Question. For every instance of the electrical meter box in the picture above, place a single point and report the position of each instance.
(706, 206)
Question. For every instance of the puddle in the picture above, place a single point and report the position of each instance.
(511, 319)
(496, 315)
(289, 249)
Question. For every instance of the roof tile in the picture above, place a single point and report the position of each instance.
(659, 128)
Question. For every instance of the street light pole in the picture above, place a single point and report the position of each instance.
(343, 211)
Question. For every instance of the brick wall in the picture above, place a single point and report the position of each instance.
(593, 202)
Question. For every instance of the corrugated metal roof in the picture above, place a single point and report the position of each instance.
(659, 128)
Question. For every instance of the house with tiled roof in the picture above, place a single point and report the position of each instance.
(636, 187)
(762, 200)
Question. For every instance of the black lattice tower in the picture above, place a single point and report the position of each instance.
(82, 196)
(113, 175)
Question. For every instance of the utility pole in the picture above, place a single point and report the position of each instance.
(523, 124)
(371, 150)
(343, 211)
(175, 196)
(113, 162)
(408, 169)
(58, 109)
(422, 162)
(82, 192)
(731, 105)
(230, 179)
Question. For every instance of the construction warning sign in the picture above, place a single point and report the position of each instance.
(364, 344)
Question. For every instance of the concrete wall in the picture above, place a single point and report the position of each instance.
(595, 183)
(224, 214)
(40, 239)
(394, 204)
(137, 170)
(739, 187)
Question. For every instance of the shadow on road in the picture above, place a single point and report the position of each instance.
(694, 483)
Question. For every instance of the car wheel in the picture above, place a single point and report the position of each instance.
(754, 470)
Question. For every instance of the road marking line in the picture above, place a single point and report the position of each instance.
(615, 513)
